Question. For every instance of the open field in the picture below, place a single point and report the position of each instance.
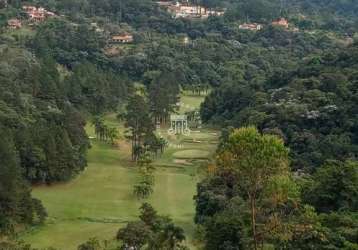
(190, 102)
(100, 200)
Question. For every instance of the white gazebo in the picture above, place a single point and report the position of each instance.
(179, 125)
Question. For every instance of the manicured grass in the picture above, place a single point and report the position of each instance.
(192, 154)
(190, 103)
(100, 200)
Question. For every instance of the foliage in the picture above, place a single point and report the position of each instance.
(139, 123)
(95, 90)
(252, 184)
(276, 79)
(261, 166)
(144, 188)
(151, 232)
(311, 108)
(68, 43)
(104, 132)
(334, 187)
(163, 96)
(91, 244)
(16, 204)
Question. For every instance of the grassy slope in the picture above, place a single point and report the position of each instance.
(100, 200)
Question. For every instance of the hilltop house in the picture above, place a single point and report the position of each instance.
(14, 23)
(186, 10)
(283, 22)
(37, 14)
(251, 26)
(178, 10)
(122, 38)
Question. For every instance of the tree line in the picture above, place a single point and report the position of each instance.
(311, 108)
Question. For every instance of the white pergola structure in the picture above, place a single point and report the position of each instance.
(179, 125)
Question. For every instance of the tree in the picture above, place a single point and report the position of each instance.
(16, 205)
(144, 188)
(98, 123)
(163, 96)
(113, 135)
(139, 123)
(148, 215)
(157, 232)
(91, 244)
(334, 187)
(171, 237)
(225, 229)
(261, 164)
(134, 235)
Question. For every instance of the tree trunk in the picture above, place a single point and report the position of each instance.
(253, 219)
(133, 148)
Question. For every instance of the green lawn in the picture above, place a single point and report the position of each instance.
(100, 200)
(190, 103)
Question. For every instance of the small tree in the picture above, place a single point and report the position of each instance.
(134, 235)
(154, 231)
(98, 124)
(113, 135)
(144, 188)
(91, 244)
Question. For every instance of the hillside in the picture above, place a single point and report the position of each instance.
(211, 124)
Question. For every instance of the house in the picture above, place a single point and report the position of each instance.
(186, 10)
(250, 26)
(123, 38)
(283, 22)
(37, 17)
(14, 23)
(37, 14)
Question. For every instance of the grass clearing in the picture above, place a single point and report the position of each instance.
(100, 200)
(192, 154)
(190, 102)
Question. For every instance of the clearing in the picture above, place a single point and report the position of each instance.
(100, 200)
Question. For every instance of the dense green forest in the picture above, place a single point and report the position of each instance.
(313, 108)
(294, 91)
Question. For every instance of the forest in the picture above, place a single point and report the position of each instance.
(284, 174)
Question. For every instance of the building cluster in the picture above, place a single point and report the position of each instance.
(34, 14)
(37, 14)
(281, 22)
(187, 10)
